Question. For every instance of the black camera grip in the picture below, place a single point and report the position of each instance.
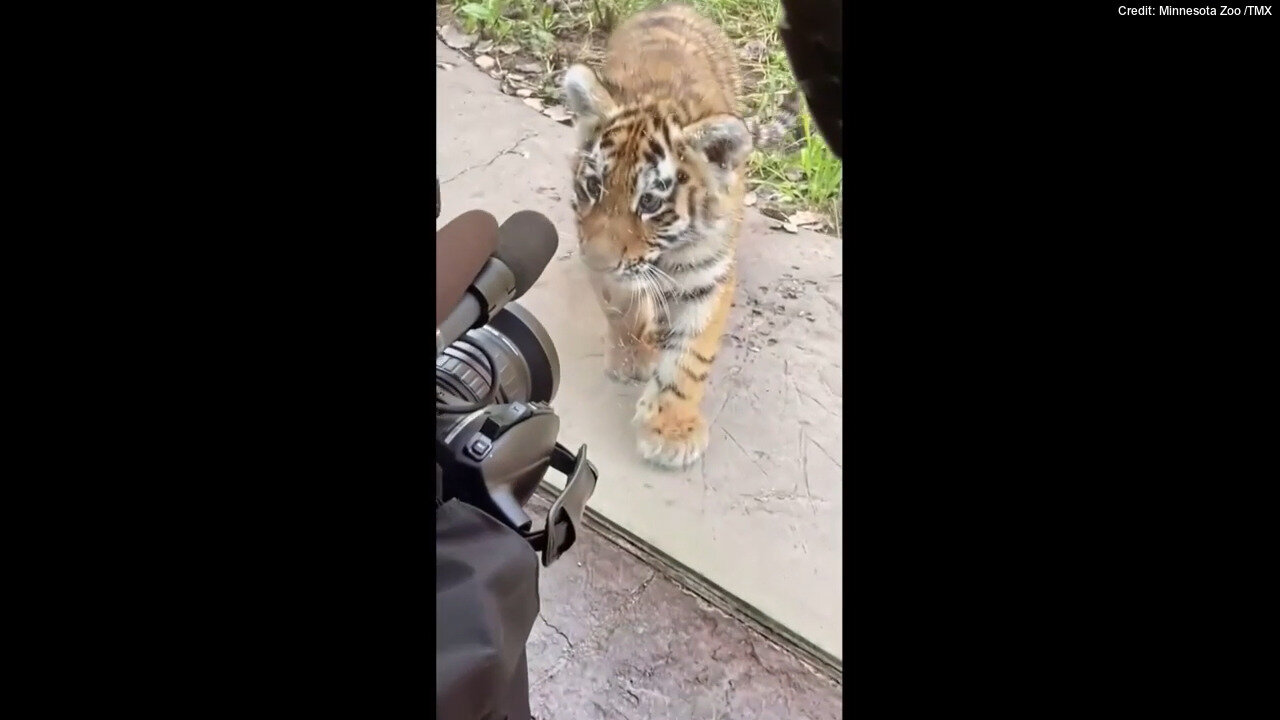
(565, 516)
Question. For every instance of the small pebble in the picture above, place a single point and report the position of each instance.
(454, 38)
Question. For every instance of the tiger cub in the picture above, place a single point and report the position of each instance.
(658, 183)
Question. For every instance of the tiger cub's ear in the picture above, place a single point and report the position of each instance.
(723, 139)
(587, 99)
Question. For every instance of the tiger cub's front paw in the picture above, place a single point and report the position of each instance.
(670, 434)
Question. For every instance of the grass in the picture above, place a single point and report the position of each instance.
(533, 25)
(804, 176)
(810, 176)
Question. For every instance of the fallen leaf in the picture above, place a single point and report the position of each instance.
(454, 38)
(785, 226)
(484, 46)
(515, 77)
(749, 199)
(524, 92)
(495, 74)
(805, 218)
(444, 65)
(534, 103)
(508, 48)
(772, 212)
(558, 113)
(484, 62)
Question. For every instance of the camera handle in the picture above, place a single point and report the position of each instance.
(565, 516)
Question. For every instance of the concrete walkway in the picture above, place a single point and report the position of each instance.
(760, 516)
(617, 639)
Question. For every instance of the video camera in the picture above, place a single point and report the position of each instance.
(496, 373)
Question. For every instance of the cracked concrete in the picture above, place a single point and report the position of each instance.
(488, 162)
(619, 640)
(557, 630)
(760, 515)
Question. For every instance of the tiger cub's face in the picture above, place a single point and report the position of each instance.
(644, 184)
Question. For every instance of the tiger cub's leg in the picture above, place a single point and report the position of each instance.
(672, 432)
(627, 357)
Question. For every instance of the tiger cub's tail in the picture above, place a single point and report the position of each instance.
(779, 131)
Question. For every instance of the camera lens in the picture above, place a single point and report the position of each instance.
(525, 367)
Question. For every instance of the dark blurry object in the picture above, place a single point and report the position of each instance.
(496, 374)
(812, 33)
(486, 603)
